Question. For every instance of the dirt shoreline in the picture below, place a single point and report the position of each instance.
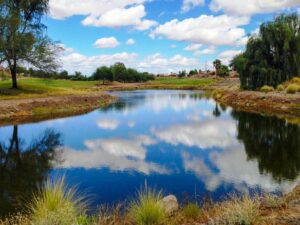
(54, 107)
(277, 104)
(224, 91)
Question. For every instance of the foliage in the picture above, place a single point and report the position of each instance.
(103, 73)
(293, 88)
(217, 64)
(193, 72)
(146, 209)
(78, 76)
(267, 89)
(221, 70)
(119, 72)
(191, 211)
(271, 57)
(280, 87)
(56, 205)
(182, 74)
(23, 37)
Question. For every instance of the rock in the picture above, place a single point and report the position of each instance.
(170, 204)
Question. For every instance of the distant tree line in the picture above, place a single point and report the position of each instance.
(116, 72)
(119, 72)
(271, 57)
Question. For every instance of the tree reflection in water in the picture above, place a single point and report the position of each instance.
(23, 168)
(273, 142)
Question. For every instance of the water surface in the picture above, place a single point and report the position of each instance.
(177, 141)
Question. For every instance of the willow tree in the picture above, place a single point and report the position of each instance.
(272, 56)
(22, 36)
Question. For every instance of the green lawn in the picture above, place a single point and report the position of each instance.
(36, 87)
(183, 82)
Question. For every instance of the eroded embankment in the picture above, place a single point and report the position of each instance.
(275, 103)
(34, 110)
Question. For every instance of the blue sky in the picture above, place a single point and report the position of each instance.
(159, 36)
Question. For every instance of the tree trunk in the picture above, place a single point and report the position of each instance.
(14, 77)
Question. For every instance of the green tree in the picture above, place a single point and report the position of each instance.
(272, 56)
(119, 71)
(22, 36)
(193, 72)
(103, 73)
(223, 71)
(217, 64)
(182, 74)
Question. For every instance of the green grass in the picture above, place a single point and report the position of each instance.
(147, 209)
(56, 205)
(37, 87)
(182, 82)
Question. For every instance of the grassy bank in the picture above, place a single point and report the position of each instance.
(38, 99)
(37, 88)
(56, 204)
(184, 83)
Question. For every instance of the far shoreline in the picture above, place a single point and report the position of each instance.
(35, 108)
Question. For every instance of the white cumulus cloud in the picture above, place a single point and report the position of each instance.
(158, 63)
(207, 51)
(87, 64)
(189, 4)
(228, 55)
(119, 17)
(205, 29)
(193, 47)
(251, 7)
(113, 13)
(130, 41)
(110, 42)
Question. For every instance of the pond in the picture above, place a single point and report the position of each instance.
(177, 141)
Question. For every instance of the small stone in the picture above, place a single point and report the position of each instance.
(170, 204)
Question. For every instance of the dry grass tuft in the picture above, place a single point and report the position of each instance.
(56, 205)
(146, 209)
(240, 210)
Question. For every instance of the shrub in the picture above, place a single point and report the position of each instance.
(267, 89)
(296, 80)
(56, 205)
(280, 87)
(191, 211)
(241, 211)
(293, 88)
(147, 209)
(223, 71)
